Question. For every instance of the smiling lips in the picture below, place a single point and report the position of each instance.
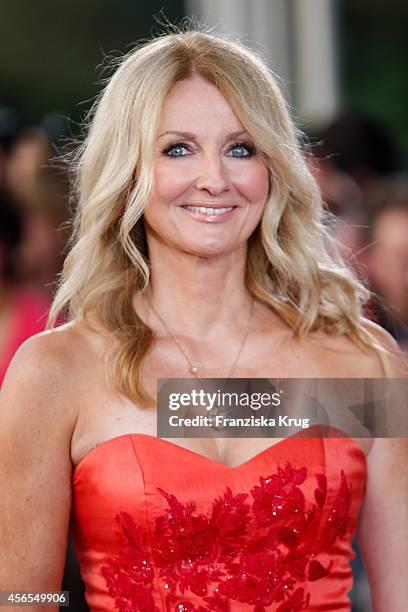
(209, 214)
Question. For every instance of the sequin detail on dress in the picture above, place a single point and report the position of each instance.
(259, 549)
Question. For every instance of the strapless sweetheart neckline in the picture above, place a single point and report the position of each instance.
(199, 456)
(158, 527)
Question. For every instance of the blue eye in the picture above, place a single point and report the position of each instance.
(244, 150)
(176, 150)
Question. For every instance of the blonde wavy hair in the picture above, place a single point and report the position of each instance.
(290, 265)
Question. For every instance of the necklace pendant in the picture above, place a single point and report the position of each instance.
(193, 369)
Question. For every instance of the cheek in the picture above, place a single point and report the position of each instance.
(254, 184)
(170, 181)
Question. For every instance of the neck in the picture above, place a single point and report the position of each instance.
(210, 300)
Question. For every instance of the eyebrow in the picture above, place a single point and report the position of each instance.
(192, 136)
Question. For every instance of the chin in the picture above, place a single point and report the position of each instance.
(211, 248)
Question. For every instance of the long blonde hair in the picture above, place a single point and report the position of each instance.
(290, 266)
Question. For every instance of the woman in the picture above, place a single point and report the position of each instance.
(199, 252)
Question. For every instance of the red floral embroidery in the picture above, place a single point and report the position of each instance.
(258, 549)
(129, 577)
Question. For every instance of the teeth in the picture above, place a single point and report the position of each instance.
(208, 211)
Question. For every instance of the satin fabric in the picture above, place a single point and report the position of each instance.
(119, 493)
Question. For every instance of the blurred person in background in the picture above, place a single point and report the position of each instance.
(354, 164)
(29, 153)
(351, 158)
(360, 147)
(386, 257)
(23, 311)
(344, 202)
(46, 213)
(41, 191)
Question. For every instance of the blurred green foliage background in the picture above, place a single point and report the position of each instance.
(373, 47)
(50, 51)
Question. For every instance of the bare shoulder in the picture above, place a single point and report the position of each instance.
(45, 376)
(394, 355)
(43, 359)
(340, 357)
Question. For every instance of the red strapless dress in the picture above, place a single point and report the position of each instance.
(158, 527)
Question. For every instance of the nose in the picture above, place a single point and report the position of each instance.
(212, 175)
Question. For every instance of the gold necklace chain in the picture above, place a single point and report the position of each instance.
(193, 369)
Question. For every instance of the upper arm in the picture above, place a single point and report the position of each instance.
(35, 468)
(383, 527)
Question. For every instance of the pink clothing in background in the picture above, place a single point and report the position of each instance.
(29, 317)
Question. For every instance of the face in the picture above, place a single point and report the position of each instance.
(388, 258)
(210, 183)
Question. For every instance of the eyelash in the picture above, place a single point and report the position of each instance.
(245, 145)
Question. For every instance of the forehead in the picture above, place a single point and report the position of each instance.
(197, 105)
